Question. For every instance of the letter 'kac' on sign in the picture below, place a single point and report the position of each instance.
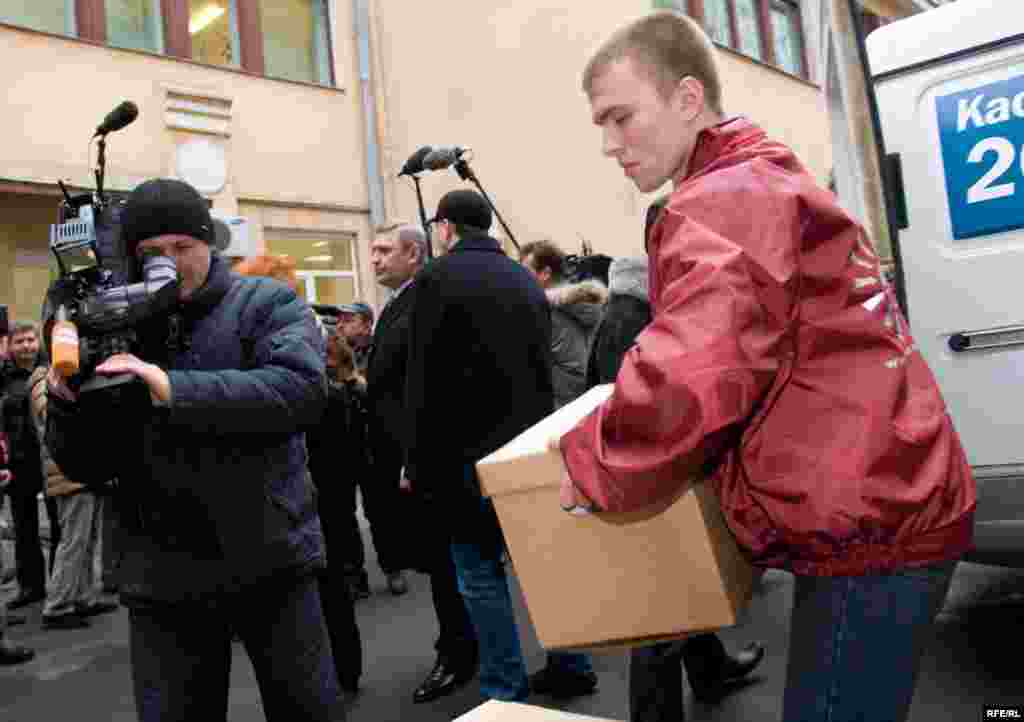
(981, 137)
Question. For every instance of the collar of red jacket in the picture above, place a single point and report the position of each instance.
(721, 140)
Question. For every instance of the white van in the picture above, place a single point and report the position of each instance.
(950, 90)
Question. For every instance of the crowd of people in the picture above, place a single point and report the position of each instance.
(755, 341)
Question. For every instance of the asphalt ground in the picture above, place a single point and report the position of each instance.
(84, 675)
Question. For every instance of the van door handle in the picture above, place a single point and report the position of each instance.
(1004, 337)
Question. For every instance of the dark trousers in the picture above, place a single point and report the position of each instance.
(384, 506)
(28, 553)
(655, 683)
(181, 655)
(339, 610)
(342, 502)
(456, 641)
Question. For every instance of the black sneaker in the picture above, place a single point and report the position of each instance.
(733, 673)
(561, 683)
(64, 621)
(97, 608)
(397, 584)
(14, 654)
(359, 587)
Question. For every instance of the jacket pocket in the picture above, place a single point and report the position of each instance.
(767, 402)
(299, 505)
(920, 412)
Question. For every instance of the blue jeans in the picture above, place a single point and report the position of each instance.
(856, 643)
(181, 655)
(479, 565)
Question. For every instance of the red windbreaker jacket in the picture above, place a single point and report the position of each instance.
(778, 357)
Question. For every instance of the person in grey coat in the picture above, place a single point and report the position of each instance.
(575, 312)
(218, 515)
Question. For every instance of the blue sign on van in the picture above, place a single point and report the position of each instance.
(981, 131)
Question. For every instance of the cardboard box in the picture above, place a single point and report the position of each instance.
(495, 711)
(611, 580)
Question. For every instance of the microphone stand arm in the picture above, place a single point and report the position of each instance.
(101, 167)
(466, 173)
(423, 216)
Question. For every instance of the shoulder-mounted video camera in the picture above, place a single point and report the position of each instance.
(102, 297)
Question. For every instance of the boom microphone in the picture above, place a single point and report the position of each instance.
(440, 158)
(415, 163)
(118, 118)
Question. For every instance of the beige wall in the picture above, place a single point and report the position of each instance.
(285, 140)
(505, 82)
(295, 149)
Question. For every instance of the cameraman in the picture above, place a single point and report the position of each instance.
(218, 517)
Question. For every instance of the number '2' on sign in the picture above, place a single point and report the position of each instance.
(981, 133)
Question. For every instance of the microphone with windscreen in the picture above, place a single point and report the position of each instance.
(119, 117)
(415, 163)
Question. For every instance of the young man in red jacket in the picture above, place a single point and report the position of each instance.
(778, 357)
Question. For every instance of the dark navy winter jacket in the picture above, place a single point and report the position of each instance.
(214, 493)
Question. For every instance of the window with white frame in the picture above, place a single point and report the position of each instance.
(324, 263)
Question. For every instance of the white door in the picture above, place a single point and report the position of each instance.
(957, 122)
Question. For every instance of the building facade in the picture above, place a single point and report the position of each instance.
(249, 100)
(293, 117)
(504, 80)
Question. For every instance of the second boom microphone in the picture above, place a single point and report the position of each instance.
(442, 157)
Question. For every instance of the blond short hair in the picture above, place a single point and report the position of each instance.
(669, 44)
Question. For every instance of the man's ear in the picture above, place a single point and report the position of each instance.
(689, 96)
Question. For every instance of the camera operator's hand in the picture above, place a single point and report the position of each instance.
(152, 375)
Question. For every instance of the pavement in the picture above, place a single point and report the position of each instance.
(84, 675)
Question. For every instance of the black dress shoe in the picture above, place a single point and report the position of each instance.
(562, 683)
(14, 654)
(26, 597)
(443, 679)
(731, 674)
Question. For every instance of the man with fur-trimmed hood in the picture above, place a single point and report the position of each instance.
(575, 312)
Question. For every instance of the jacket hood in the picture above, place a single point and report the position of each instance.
(582, 301)
(628, 277)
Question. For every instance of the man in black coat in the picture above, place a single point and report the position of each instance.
(396, 257)
(218, 517)
(479, 374)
